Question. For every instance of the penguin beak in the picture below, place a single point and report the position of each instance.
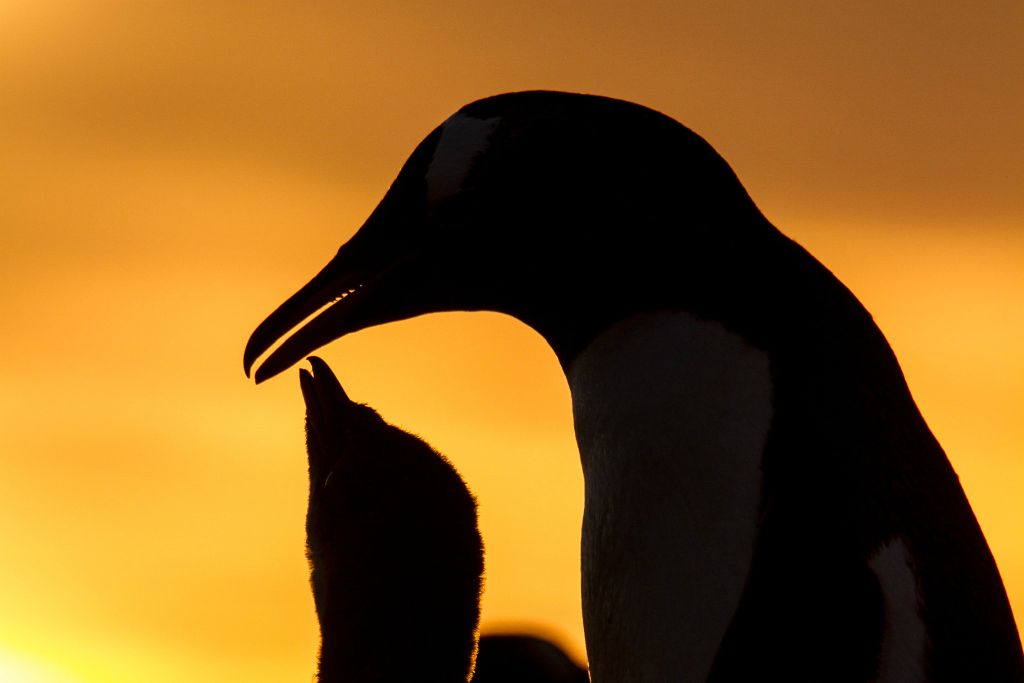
(327, 407)
(321, 390)
(371, 281)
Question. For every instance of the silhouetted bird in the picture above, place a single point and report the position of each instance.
(762, 496)
(393, 544)
(396, 557)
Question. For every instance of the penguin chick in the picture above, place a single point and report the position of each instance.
(396, 558)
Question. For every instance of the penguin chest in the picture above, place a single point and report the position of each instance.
(671, 416)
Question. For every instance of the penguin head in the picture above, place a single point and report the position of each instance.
(561, 210)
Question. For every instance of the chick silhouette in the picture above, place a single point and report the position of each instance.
(396, 556)
(392, 539)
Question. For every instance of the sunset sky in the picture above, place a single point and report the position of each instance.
(171, 171)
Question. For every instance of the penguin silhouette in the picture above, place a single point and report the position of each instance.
(763, 498)
(396, 557)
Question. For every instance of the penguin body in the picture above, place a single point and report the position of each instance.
(763, 497)
(396, 558)
(665, 557)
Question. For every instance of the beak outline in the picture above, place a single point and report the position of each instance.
(336, 282)
(365, 284)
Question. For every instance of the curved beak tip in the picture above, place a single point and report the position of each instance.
(349, 290)
(261, 376)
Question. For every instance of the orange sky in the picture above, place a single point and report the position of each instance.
(173, 170)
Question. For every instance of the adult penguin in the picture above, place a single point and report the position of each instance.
(762, 495)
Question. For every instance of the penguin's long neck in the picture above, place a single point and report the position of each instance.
(671, 415)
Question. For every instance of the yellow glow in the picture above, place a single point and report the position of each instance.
(19, 669)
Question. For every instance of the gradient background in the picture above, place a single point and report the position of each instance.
(172, 170)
